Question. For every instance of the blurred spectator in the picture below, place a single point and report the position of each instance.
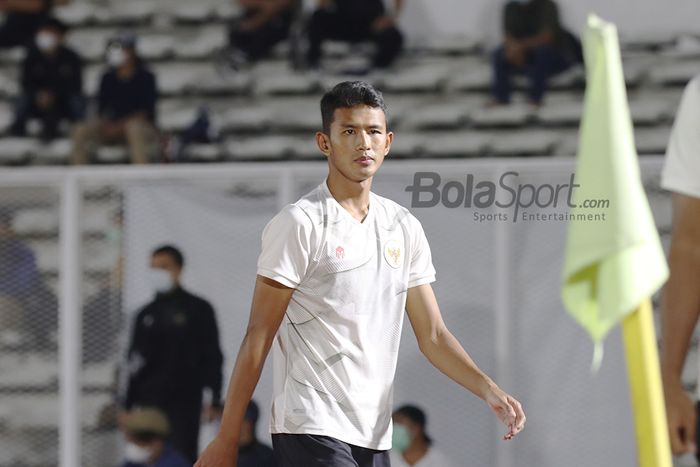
(126, 106)
(263, 24)
(147, 430)
(22, 286)
(535, 44)
(251, 452)
(356, 21)
(174, 354)
(52, 83)
(22, 19)
(411, 445)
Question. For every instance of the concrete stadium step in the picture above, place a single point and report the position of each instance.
(524, 143)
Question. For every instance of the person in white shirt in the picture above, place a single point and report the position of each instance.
(681, 296)
(337, 270)
(412, 447)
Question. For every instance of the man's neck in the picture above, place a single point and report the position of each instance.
(353, 196)
(126, 71)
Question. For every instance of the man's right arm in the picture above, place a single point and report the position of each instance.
(680, 312)
(270, 300)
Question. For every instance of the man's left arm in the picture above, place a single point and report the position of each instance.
(446, 354)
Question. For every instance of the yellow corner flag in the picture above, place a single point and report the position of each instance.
(614, 264)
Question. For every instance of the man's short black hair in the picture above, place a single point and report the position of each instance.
(349, 94)
(173, 252)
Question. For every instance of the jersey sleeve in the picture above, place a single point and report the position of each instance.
(286, 247)
(681, 172)
(421, 264)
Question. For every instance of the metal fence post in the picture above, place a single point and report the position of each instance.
(70, 307)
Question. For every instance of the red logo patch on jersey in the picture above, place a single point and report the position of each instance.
(340, 252)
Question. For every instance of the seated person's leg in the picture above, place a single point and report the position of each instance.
(543, 63)
(86, 136)
(502, 71)
(389, 44)
(141, 137)
(24, 109)
(323, 25)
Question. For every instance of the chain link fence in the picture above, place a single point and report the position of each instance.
(498, 287)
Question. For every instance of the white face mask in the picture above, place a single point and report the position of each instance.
(160, 280)
(116, 56)
(46, 42)
(137, 454)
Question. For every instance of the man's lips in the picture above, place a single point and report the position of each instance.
(364, 159)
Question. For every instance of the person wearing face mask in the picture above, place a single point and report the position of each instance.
(126, 106)
(51, 81)
(147, 431)
(534, 44)
(251, 452)
(411, 445)
(174, 354)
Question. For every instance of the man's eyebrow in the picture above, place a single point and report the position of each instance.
(353, 125)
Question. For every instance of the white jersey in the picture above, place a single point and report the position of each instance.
(432, 458)
(681, 172)
(335, 353)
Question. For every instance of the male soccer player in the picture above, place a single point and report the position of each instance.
(337, 270)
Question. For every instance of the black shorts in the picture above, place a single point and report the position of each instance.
(324, 451)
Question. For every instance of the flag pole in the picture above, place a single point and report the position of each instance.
(653, 448)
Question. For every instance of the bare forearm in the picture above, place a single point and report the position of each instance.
(543, 38)
(24, 6)
(447, 355)
(681, 308)
(244, 378)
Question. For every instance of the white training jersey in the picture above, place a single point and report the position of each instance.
(334, 357)
(681, 173)
(432, 458)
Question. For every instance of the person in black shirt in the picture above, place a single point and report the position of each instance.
(126, 106)
(22, 19)
(263, 24)
(535, 44)
(52, 83)
(174, 354)
(251, 452)
(356, 21)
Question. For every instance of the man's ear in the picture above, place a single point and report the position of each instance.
(389, 140)
(324, 143)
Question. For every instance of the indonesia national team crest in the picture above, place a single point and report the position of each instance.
(340, 252)
(393, 253)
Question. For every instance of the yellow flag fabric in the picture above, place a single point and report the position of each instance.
(612, 264)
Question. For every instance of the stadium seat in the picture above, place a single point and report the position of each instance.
(454, 144)
(285, 83)
(516, 114)
(260, 148)
(650, 111)
(674, 73)
(55, 153)
(76, 14)
(204, 152)
(425, 78)
(33, 221)
(652, 140)
(476, 76)
(203, 45)
(112, 155)
(562, 113)
(438, 115)
(247, 118)
(17, 150)
(524, 143)
(156, 47)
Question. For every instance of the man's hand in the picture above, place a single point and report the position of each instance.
(681, 421)
(45, 99)
(121, 419)
(219, 453)
(211, 413)
(382, 23)
(508, 410)
(515, 53)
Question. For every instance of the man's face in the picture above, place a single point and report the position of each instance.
(357, 143)
(48, 39)
(167, 263)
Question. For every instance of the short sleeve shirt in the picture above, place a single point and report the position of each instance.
(681, 173)
(335, 355)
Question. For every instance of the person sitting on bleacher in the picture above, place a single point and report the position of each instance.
(263, 24)
(535, 44)
(22, 19)
(147, 445)
(356, 21)
(126, 106)
(52, 83)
